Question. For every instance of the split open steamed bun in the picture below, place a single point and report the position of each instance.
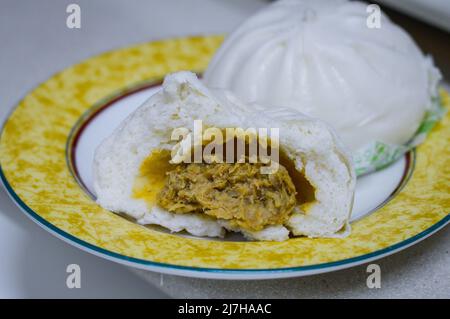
(135, 171)
(321, 58)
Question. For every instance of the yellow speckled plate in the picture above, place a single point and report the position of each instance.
(38, 157)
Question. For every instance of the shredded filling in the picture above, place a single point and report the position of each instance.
(237, 192)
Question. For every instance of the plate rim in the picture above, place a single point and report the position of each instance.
(217, 273)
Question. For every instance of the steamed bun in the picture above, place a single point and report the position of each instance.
(134, 164)
(320, 57)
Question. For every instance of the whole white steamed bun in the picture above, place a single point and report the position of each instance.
(320, 57)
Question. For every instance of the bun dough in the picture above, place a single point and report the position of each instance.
(320, 57)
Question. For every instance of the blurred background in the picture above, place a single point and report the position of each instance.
(36, 43)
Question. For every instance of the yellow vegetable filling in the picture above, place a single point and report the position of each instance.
(236, 192)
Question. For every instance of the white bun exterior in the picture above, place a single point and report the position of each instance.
(320, 58)
(310, 143)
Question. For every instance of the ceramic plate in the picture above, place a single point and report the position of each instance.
(46, 152)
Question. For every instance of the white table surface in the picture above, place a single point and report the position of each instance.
(35, 43)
